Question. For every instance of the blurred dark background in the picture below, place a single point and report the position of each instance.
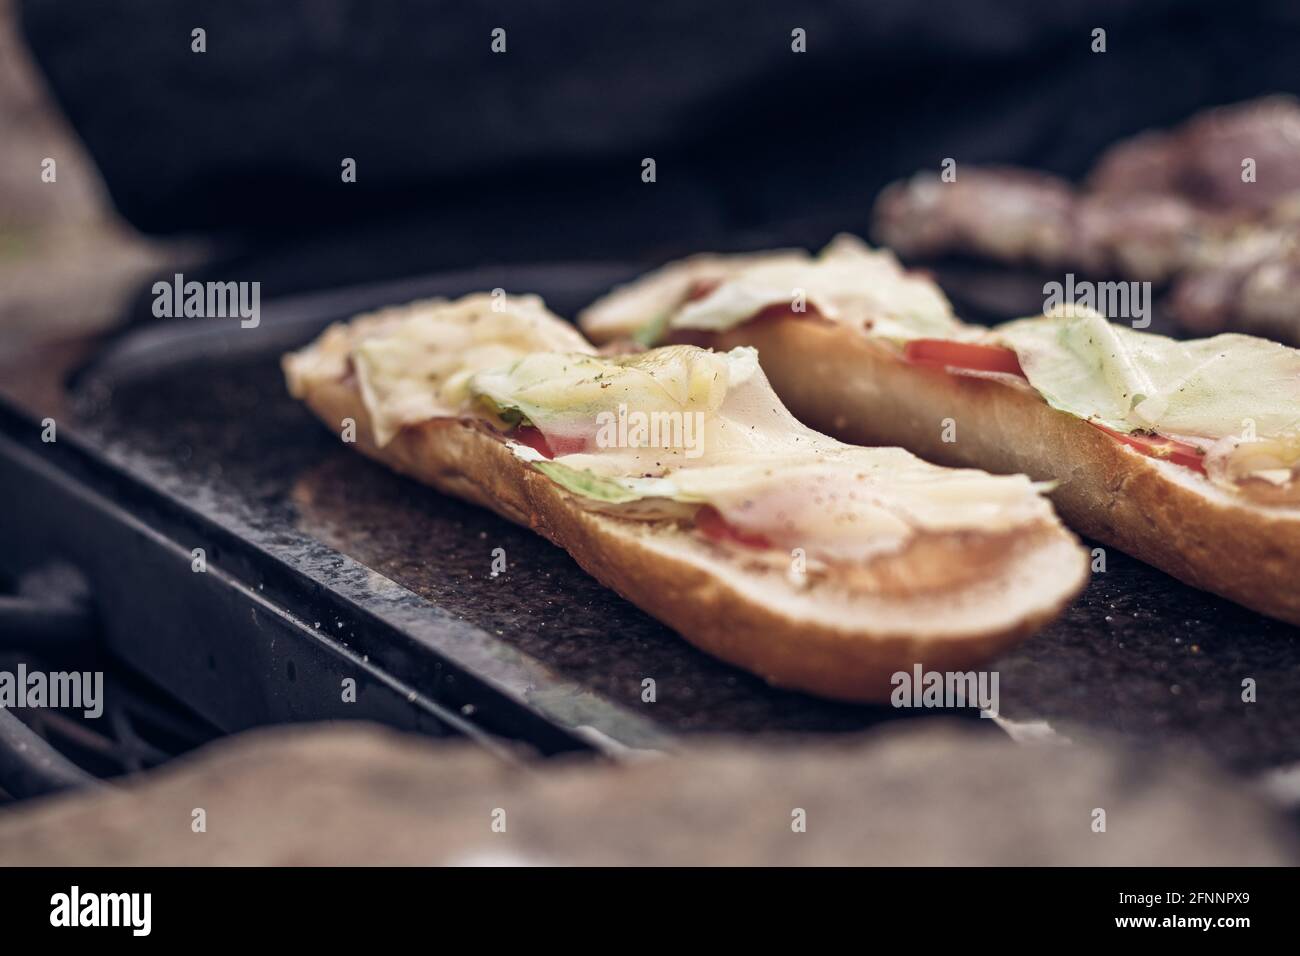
(466, 156)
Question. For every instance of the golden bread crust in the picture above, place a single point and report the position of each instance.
(1163, 513)
(810, 639)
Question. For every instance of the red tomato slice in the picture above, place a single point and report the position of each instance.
(714, 526)
(1179, 452)
(534, 439)
(550, 447)
(971, 355)
(567, 444)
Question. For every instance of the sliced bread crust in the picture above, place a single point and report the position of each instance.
(841, 382)
(813, 638)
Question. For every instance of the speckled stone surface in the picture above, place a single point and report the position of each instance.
(243, 450)
(1139, 654)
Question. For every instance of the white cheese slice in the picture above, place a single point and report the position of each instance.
(418, 368)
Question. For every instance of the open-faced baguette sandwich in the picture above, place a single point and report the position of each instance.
(677, 478)
(1185, 454)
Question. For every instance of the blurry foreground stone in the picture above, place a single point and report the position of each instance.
(357, 794)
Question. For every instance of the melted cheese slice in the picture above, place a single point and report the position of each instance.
(1206, 389)
(1235, 396)
(575, 399)
(417, 366)
(848, 282)
(658, 294)
(852, 503)
(665, 431)
(760, 468)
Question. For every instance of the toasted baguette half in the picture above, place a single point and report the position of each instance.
(948, 601)
(840, 381)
